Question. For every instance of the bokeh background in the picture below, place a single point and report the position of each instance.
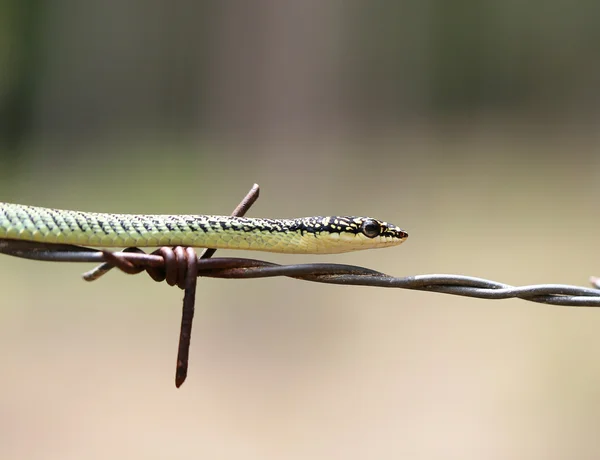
(472, 124)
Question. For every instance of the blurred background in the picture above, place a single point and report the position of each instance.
(471, 124)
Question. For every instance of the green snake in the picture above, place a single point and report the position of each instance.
(307, 235)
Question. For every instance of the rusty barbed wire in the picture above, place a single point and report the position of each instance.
(181, 267)
(331, 273)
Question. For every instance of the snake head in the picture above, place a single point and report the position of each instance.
(373, 228)
(374, 233)
(349, 233)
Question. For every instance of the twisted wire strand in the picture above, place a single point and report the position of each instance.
(242, 268)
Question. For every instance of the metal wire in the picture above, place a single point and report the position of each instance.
(242, 268)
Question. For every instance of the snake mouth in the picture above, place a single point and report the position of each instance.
(395, 233)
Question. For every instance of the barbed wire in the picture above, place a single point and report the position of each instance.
(330, 273)
(182, 267)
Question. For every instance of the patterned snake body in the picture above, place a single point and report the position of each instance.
(308, 235)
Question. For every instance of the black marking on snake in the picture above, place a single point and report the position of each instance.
(158, 223)
(181, 226)
(226, 225)
(29, 216)
(126, 225)
(203, 226)
(171, 226)
(147, 225)
(72, 224)
(81, 221)
(105, 227)
(192, 223)
(55, 219)
(115, 225)
(309, 225)
(136, 225)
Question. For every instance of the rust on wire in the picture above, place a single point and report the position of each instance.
(181, 267)
(189, 258)
(187, 275)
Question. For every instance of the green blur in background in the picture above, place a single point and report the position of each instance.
(471, 124)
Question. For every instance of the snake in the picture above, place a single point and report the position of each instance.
(305, 235)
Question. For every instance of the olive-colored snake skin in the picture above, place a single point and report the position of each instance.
(308, 235)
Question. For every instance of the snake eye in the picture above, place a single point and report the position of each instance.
(371, 228)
